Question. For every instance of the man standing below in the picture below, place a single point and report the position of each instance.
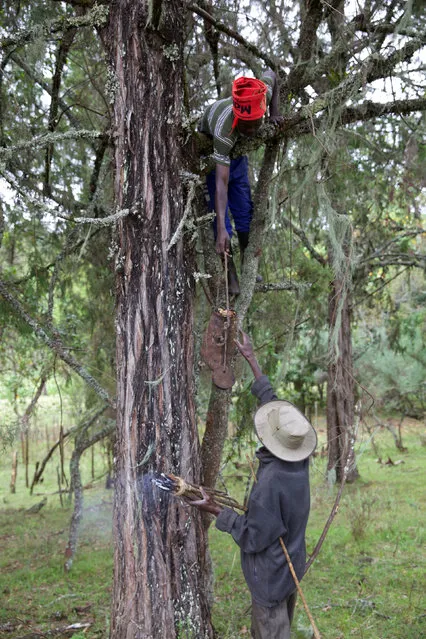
(278, 507)
(228, 184)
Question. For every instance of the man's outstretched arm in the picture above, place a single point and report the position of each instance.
(274, 112)
(261, 388)
(246, 349)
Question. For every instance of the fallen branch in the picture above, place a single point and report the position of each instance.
(62, 631)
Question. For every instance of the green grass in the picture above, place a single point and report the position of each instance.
(368, 581)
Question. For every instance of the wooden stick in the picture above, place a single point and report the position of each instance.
(14, 472)
(293, 573)
(186, 489)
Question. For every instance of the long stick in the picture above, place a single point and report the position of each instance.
(333, 513)
(293, 572)
(226, 325)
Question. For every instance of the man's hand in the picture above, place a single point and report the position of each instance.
(276, 119)
(245, 346)
(223, 241)
(207, 504)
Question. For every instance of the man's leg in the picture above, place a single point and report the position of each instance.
(270, 623)
(239, 197)
(241, 204)
(291, 604)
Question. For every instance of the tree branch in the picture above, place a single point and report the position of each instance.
(61, 58)
(373, 68)
(380, 251)
(55, 345)
(280, 286)
(415, 260)
(43, 140)
(368, 110)
(96, 17)
(46, 87)
(305, 46)
(82, 442)
(302, 235)
(220, 26)
(302, 123)
(30, 408)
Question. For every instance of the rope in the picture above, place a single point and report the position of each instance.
(227, 322)
(293, 572)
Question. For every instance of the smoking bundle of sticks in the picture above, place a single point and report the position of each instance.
(182, 488)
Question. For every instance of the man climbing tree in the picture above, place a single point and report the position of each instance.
(225, 121)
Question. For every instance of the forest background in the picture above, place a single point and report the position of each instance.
(108, 274)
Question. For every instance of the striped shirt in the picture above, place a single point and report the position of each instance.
(217, 121)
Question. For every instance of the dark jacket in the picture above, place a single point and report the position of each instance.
(278, 507)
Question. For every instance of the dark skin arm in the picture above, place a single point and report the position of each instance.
(274, 113)
(223, 241)
(246, 349)
(207, 504)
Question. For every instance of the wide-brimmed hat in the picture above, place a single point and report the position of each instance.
(248, 99)
(285, 431)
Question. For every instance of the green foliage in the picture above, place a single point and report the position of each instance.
(392, 351)
(57, 270)
(360, 513)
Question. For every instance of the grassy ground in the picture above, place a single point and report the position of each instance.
(368, 581)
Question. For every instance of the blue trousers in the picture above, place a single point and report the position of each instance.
(239, 196)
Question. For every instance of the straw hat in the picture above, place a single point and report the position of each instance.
(285, 431)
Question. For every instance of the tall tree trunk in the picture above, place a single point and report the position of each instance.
(159, 566)
(340, 387)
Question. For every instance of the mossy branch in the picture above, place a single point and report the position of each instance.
(305, 240)
(46, 139)
(220, 26)
(97, 16)
(54, 344)
(30, 72)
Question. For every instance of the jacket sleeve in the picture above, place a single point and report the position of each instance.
(255, 530)
(263, 390)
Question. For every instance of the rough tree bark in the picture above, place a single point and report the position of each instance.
(159, 565)
(340, 385)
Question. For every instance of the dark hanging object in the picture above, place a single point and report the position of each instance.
(218, 347)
